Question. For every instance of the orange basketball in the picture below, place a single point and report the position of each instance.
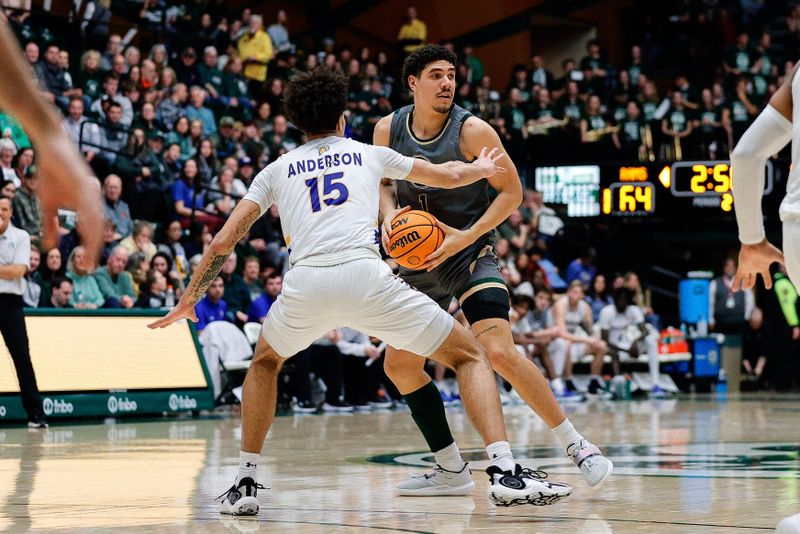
(415, 234)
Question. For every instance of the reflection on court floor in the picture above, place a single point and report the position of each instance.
(691, 465)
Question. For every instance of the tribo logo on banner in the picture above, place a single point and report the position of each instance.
(57, 406)
(121, 405)
(180, 402)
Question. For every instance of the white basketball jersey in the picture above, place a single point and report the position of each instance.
(790, 207)
(328, 191)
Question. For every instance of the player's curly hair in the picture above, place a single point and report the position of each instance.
(315, 100)
(420, 58)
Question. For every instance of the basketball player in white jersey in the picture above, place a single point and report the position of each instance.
(774, 127)
(66, 180)
(328, 191)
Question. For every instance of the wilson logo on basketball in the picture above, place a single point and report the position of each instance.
(404, 241)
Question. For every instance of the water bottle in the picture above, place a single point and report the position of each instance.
(170, 300)
(722, 384)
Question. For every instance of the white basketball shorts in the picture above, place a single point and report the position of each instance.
(361, 294)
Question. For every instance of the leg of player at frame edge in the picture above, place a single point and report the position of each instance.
(407, 372)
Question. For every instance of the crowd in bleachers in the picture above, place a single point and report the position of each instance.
(177, 125)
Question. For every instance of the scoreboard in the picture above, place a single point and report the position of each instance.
(647, 190)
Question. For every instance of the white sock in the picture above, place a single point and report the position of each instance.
(248, 462)
(450, 458)
(500, 455)
(566, 433)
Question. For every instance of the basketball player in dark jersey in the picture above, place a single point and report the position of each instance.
(464, 267)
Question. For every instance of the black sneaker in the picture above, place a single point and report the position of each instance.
(304, 407)
(596, 389)
(381, 403)
(241, 499)
(569, 385)
(38, 421)
(524, 486)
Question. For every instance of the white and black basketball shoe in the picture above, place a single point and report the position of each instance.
(241, 499)
(524, 486)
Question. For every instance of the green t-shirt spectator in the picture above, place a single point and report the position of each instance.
(18, 135)
(110, 288)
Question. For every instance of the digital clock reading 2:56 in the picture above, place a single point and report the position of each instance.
(706, 178)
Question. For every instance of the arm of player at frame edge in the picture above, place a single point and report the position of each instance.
(768, 134)
(238, 224)
(67, 180)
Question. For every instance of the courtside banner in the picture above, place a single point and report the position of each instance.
(108, 363)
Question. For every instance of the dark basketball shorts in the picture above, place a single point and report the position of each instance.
(472, 277)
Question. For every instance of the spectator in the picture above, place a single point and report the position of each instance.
(153, 293)
(358, 352)
(413, 32)
(180, 136)
(739, 59)
(119, 68)
(111, 95)
(227, 191)
(197, 110)
(141, 240)
(116, 284)
(27, 207)
(96, 24)
(237, 296)
(112, 136)
(185, 194)
(782, 331)
(171, 163)
(224, 143)
(172, 108)
(32, 291)
(84, 134)
(211, 77)
(173, 247)
(7, 152)
(117, 209)
(754, 357)
(677, 127)
(142, 173)
(599, 295)
(708, 125)
(533, 327)
(186, 70)
(582, 268)
(640, 297)
(729, 310)
(86, 294)
(235, 90)
(51, 269)
(211, 307)
(516, 231)
(207, 163)
(90, 78)
(595, 68)
(146, 120)
(61, 295)
(552, 276)
(54, 79)
(162, 262)
(8, 190)
(279, 34)
(260, 307)
(255, 48)
(12, 130)
(266, 237)
(250, 274)
(113, 47)
(739, 112)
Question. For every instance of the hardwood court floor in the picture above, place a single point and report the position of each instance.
(688, 466)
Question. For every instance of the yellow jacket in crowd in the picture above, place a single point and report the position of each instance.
(414, 31)
(257, 47)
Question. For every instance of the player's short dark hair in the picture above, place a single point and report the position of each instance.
(315, 100)
(420, 58)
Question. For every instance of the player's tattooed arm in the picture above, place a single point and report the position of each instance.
(218, 251)
(236, 227)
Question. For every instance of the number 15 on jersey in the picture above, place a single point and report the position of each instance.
(334, 193)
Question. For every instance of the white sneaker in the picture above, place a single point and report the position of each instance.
(241, 499)
(524, 486)
(440, 481)
(594, 467)
(558, 387)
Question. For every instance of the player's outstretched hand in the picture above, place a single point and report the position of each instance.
(754, 260)
(386, 227)
(455, 241)
(181, 311)
(489, 161)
